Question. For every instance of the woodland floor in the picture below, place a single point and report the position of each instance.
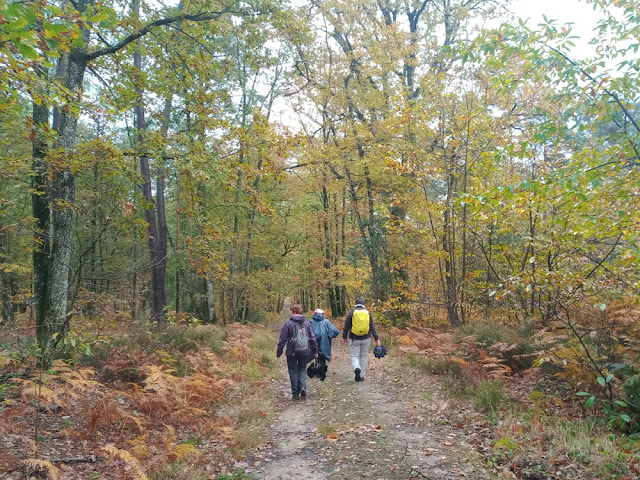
(408, 420)
(379, 428)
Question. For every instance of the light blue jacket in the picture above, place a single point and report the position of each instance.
(324, 331)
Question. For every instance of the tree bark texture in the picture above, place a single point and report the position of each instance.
(156, 229)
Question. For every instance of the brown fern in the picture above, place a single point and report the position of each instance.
(41, 466)
(136, 472)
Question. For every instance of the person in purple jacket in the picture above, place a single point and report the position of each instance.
(298, 336)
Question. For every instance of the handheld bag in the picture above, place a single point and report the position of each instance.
(380, 351)
(360, 322)
(300, 340)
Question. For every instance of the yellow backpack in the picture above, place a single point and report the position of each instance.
(360, 322)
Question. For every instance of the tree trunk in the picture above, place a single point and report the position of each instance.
(42, 217)
(340, 306)
(250, 234)
(156, 230)
(162, 216)
(367, 240)
(7, 280)
(211, 302)
(448, 245)
(177, 250)
(51, 275)
(327, 253)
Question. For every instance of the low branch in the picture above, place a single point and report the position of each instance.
(599, 263)
(299, 165)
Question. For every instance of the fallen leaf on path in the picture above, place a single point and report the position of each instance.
(333, 437)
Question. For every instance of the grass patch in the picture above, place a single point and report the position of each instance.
(190, 338)
(580, 441)
(418, 361)
(490, 396)
(455, 388)
(251, 415)
(326, 429)
(603, 454)
(250, 369)
(487, 333)
(389, 341)
(178, 471)
(438, 366)
(139, 336)
(264, 346)
(196, 442)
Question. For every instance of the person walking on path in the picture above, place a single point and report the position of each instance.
(324, 331)
(359, 327)
(300, 341)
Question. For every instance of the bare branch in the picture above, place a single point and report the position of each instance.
(198, 17)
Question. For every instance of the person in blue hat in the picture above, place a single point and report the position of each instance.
(324, 331)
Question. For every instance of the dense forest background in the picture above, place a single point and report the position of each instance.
(425, 163)
(201, 161)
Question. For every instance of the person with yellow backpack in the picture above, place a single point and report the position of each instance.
(359, 327)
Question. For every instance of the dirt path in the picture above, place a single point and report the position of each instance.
(347, 430)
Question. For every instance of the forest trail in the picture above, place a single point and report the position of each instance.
(347, 430)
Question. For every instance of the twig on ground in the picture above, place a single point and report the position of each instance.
(91, 459)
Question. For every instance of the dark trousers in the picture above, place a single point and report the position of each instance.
(297, 373)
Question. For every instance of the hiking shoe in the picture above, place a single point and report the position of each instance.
(357, 371)
(295, 396)
(303, 393)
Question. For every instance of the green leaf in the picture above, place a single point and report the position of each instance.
(609, 378)
(30, 15)
(582, 394)
(590, 401)
(601, 381)
(27, 52)
(52, 44)
(625, 417)
(620, 403)
(52, 29)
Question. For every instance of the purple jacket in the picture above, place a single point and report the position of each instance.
(287, 333)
